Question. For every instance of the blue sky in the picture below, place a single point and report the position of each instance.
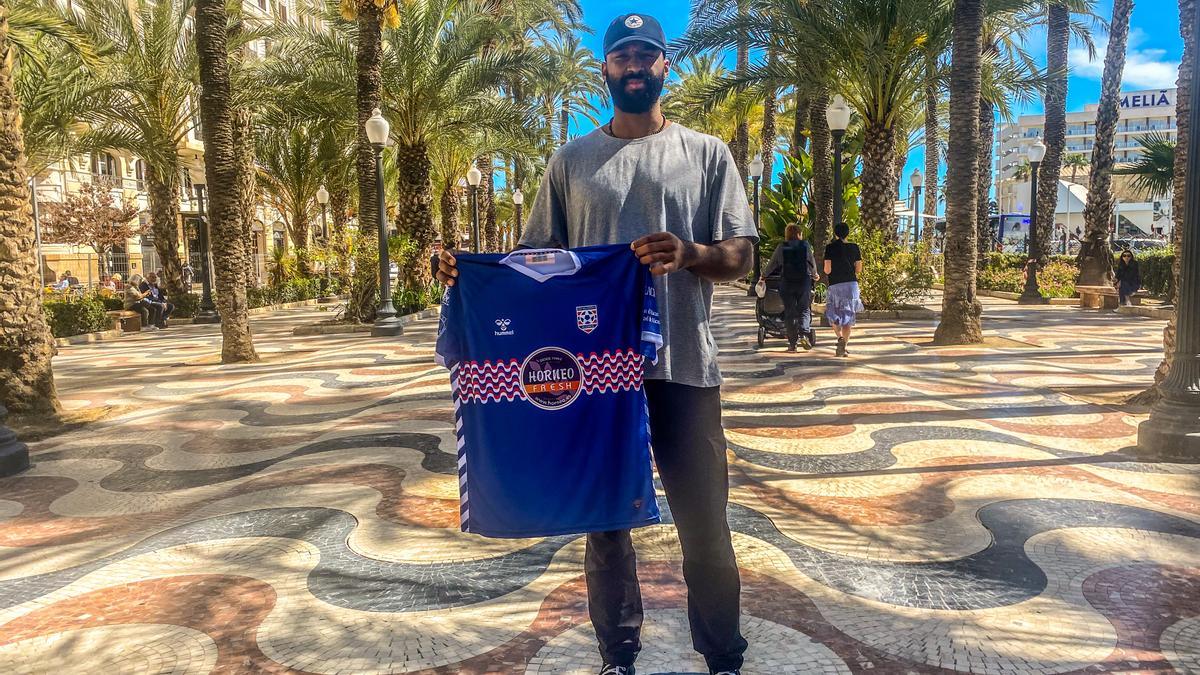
(1152, 58)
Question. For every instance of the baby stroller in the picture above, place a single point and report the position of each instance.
(768, 311)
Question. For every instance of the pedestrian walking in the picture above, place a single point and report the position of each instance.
(795, 256)
(1128, 277)
(843, 264)
(677, 195)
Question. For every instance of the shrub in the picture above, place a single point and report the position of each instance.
(1155, 267)
(1057, 279)
(1000, 278)
(891, 276)
(408, 301)
(186, 306)
(74, 315)
(296, 289)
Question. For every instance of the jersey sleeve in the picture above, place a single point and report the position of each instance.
(652, 339)
(448, 351)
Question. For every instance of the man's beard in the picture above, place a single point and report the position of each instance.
(635, 102)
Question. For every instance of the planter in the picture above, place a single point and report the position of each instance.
(902, 314)
(1160, 312)
(88, 338)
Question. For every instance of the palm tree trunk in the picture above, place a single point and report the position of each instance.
(961, 310)
(564, 123)
(770, 106)
(414, 214)
(1058, 33)
(800, 117)
(26, 376)
(450, 215)
(162, 188)
(487, 204)
(1095, 257)
(298, 231)
(741, 136)
(879, 179)
(368, 60)
(933, 133)
(221, 168)
(1187, 70)
(822, 177)
(983, 230)
(901, 158)
(247, 187)
(339, 201)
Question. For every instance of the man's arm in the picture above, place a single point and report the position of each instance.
(723, 261)
(812, 265)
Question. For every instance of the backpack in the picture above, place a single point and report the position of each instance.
(795, 261)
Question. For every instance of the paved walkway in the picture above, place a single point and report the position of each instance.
(910, 509)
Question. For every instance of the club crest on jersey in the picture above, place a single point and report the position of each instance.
(502, 325)
(587, 318)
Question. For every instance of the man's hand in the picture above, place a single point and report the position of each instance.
(447, 269)
(664, 253)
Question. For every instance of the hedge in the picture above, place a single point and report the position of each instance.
(75, 315)
(1003, 273)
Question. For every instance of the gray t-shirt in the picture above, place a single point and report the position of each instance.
(603, 190)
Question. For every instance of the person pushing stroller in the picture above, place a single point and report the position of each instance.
(795, 256)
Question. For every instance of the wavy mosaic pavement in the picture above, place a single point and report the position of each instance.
(908, 510)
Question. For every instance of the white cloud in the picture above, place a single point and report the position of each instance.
(1145, 68)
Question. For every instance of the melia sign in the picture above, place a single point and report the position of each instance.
(1148, 99)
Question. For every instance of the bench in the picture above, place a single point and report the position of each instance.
(125, 320)
(1104, 297)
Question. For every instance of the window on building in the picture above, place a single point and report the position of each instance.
(283, 12)
(277, 240)
(262, 4)
(139, 174)
(185, 185)
(104, 165)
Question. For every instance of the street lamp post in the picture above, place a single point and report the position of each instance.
(208, 311)
(756, 171)
(838, 117)
(917, 180)
(1032, 294)
(518, 201)
(1173, 430)
(474, 177)
(323, 200)
(386, 325)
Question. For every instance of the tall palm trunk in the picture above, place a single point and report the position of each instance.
(933, 145)
(879, 179)
(741, 136)
(983, 229)
(221, 168)
(247, 188)
(298, 225)
(162, 188)
(1187, 71)
(770, 107)
(1058, 33)
(961, 310)
(26, 377)
(564, 123)
(339, 201)
(450, 208)
(800, 117)
(368, 60)
(487, 204)
(1095, 256)
(900, 159)
(822, 213)
(414, 212)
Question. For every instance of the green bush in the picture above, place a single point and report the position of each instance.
(1155, 267)
(296, 289)
(75, 315)
(409, 301)
(186, 307)
(1057, 279)
(891, 276)
(1000, 278)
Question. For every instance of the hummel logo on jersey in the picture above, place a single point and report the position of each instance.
(503, 324)
(587, 318)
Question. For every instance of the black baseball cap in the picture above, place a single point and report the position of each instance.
(634, 28)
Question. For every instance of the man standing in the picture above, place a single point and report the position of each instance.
(677, 196)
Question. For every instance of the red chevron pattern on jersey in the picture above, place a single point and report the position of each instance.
(481, 383)
(611, 372)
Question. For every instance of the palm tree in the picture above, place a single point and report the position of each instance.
(1154, 169)
(26, 376)
(961, 309)
(572, 84)
(146, 102)
(1095, 256)
(221, 172)
(55, 92)
(293, 157)
(1059, 29)
(932, 73)
(1075, 161)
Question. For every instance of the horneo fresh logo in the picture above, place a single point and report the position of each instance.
(634, 21)
(502, 325)
(552, 378)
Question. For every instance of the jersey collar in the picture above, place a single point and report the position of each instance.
(516, 260)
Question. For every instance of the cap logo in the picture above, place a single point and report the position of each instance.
(634, 21)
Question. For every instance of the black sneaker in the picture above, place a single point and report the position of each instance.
(841, 347)
(608, 669)
(805, 344)
(727, 672)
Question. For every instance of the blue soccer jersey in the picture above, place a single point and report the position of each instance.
(545, 350)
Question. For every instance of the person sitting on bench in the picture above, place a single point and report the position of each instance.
(157, 296)
(135, 300)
